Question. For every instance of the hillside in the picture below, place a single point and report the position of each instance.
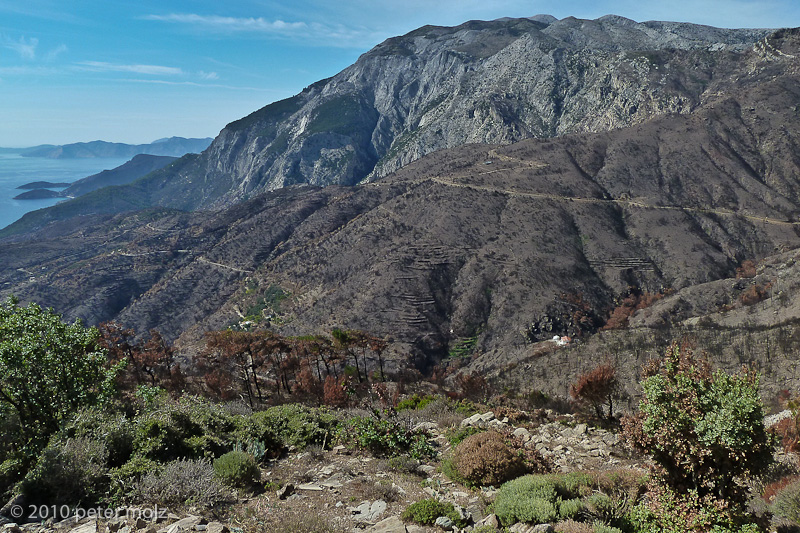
(493, 82)
(134, 169)
(486, 248)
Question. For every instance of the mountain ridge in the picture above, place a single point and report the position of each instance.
(492, 82)
(172, 146)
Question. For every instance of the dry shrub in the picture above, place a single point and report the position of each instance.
(473, 387)
(597, 388)
(367, 489)
(746, 270)
(571, 526)
(755, 294)
(334, 392)
(486, 459)
(774, 488)
(182, 482)
(634, 301)
(786, 430)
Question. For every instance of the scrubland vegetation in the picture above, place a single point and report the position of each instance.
(95, 417)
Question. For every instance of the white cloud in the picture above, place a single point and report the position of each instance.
(55, 52)
(227, 24)
(26, 48)
(314, 32)
(208, 75)
(157, 70)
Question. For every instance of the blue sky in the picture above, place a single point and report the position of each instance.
(137, 70)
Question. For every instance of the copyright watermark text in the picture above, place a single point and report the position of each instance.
(37, 513)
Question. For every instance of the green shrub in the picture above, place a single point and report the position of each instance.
(112, 428)
(668, 512)
(383, 437)
(526, 499)
(48, 370)
(485, 459)
(292, 425)
(189, 428)
(415, 402)
(787, 503)
(237, 469)
(425, 512)
(703, 428)
(570, 508)
(123, 479)
(456, 436)
(181, 483)
(70, 472)
(542, 498)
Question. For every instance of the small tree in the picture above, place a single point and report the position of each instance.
(703, 428)
(48, 369)
(597, 388)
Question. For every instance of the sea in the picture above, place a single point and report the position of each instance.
(16, 170)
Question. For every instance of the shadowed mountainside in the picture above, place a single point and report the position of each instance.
(497, 246)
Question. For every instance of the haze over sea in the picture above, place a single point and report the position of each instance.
(16, 170)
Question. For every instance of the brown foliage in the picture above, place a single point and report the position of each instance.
(335, 393)
(774, 488)
(755, 294)
(486, 459)
(149, 361)
(746, 270)
(473, 387)
(634, 301)
(597, 388)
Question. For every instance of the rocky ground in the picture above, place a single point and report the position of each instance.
(339, 491)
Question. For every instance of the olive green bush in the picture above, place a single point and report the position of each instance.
(237, 469)
(293, 425)
(705, 431)
(540, 498)
(383, 437)
(425, 512)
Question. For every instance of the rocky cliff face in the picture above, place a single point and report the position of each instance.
(481, 82)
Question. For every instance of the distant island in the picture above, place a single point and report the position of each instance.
(38, 194)
(134, 169)
(172, 146)
(44, 185)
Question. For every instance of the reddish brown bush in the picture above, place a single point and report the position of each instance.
(335, 394)
(755, 294)
(746, 270)
(634, 301)
(473, 387)
(774, 488)
(486, 459)
(596, 389)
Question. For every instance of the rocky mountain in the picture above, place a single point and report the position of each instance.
(483, 248)
(173, 146)
(482, 82)
(489, 249)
